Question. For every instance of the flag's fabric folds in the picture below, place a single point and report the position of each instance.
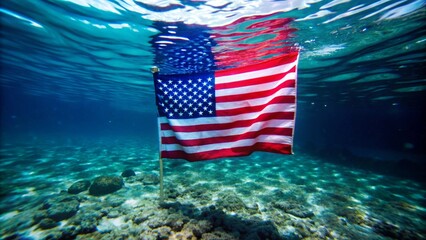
(228, 113)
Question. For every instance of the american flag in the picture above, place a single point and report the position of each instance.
(228, 113)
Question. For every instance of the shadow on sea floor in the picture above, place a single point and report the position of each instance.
(221, 225)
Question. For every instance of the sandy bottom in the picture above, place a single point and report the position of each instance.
(263, 196)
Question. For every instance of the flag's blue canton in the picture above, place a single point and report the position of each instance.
(185, 96)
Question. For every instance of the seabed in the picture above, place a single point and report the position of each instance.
(262, 196)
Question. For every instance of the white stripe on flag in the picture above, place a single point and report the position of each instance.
(230, 132)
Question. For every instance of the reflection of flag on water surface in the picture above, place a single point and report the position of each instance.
(182, 48)
(206, 113)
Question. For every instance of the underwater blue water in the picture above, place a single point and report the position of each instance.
(75, 74)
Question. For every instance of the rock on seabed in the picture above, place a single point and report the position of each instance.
(105, 184)
(79, 187)
(128, 173)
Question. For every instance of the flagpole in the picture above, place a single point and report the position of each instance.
(161, 181)
(160, 159)
(155, 71)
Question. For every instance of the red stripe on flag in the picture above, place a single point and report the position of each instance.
(271, 24)
(281, 60)
(232, 152)
(223, 139)
(287, 84)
